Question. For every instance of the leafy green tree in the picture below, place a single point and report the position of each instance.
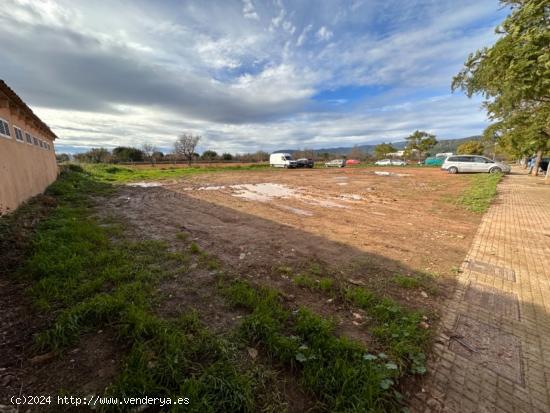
(127, 154)
(471, 148)
(381, 150)
(420, 142)
(227, 157)
(209, 155)
(513, 76)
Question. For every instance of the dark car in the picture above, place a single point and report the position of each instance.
(305, 163)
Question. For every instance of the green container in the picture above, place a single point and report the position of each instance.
(433, 161)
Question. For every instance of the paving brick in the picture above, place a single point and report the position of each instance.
(499, 316)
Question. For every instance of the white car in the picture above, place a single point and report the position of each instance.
(389, 162)
(473, 163)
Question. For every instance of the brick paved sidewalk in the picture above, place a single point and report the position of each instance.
(492, 351)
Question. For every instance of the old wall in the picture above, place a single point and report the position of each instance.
(25, 169)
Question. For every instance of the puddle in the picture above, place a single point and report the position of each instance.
(262, 192)
(384, 173)
(211, 188)
(144, 184)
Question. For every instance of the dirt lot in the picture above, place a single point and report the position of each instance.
(359, 225)
(338, 216)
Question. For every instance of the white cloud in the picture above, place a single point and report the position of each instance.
(249, 12)
(303, 35)
(211, 68)
(324, 34)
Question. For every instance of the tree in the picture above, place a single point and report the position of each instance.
(157, 156)
(381, 150)
(227, 157)
(513, 76)
(148, 151)
(357, 153)
(471, 148)
(420, 142)
(127, 154)
(62, 157)
(185, 146)
(209, 155)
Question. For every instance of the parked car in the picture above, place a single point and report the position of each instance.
(398, 162)
(305, 163)
(435, 160)
(282, 160)
(336, 163)
(352, 162)
(473, 163)
(389, 162)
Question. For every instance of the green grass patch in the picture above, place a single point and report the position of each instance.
(480, 192)
(407, 281)
(93, 278)
(395, 326)
(343, 374)
(123, 174)
(304, 280)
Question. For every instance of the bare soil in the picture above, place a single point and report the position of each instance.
(270, 225)
(337, 216)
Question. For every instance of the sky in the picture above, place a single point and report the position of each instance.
(246, 75)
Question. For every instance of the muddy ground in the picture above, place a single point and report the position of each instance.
(259, 219)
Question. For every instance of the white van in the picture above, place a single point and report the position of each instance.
(282, 160)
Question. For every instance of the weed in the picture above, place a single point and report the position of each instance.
(326, 284)
(407, 281)
(303, 280)
(341, 372)
(397, 327)
(194, 248)
(183, 236)
(481, 191)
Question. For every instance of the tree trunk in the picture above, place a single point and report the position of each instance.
(546, 177)
(523, 162)
(189, 159)
(535, 171)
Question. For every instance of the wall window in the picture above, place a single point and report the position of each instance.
(4, 128)
(29, 138)
(41, 143)
(18, 134)
(35, 141)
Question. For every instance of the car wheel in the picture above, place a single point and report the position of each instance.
(495, 170)
(453, 170)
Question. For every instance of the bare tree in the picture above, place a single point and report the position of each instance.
(185, 146)
(148, 150)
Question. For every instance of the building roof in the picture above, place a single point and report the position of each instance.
(16, 102)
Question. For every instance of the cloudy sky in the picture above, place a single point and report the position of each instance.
(245, 74)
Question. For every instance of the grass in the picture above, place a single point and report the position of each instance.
(122, 174)
(92, 278)
(341, 373)
(480, 193)
(304, 280)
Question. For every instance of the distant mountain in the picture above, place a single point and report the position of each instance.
(444, 145)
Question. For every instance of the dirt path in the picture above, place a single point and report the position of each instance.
(493, 351)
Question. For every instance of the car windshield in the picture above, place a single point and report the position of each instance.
(288, 158)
